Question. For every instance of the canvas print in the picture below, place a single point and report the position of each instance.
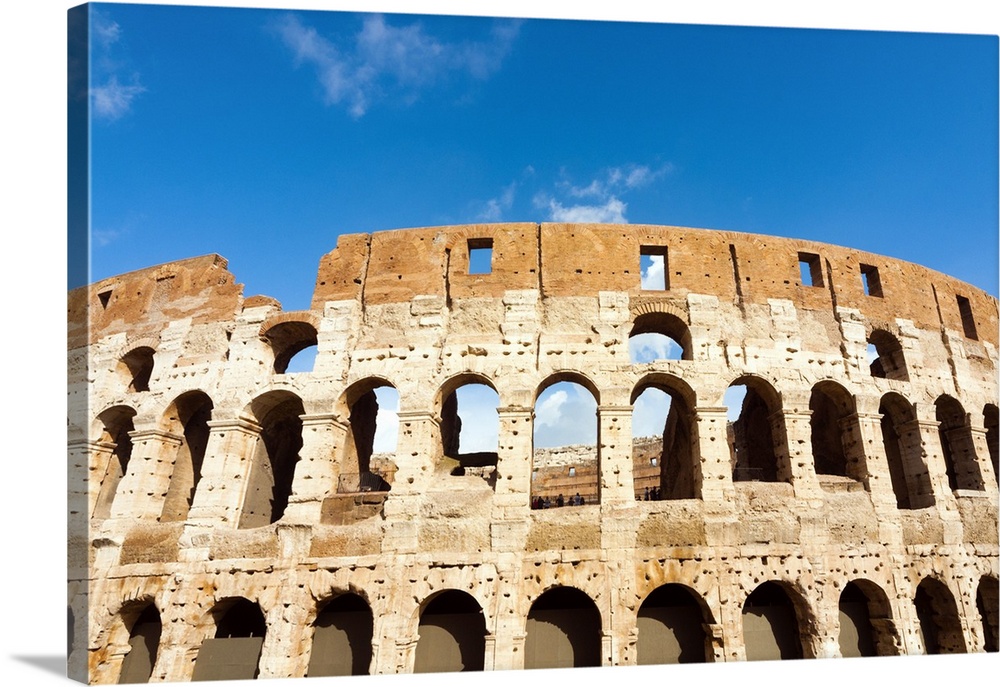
(422, 344)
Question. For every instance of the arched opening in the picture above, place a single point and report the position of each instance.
(957, 446)
(452, 635)
(866, 627)
(189, 416)
(991, 421)
(940, 627)
(832, 427)
(901, 440)
(234, 652)
(671, 627)
(664, 453)
(770, 626)
(885, 356)
(752, 403)
(303, 361)
(368, 465)
(563, 630)
(342, 638)
(144, 641)
(987, 602)
(565, 460)
(117, 423)
(470, 427)
(137, 367)
(287, 341)
(659, 336)
(269, 483)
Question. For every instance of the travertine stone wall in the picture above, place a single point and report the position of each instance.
(908, 518)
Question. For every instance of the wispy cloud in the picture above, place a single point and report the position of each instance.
(392, 60)
(495, 208)
(600, 199)
(565, 414)
(111, 98)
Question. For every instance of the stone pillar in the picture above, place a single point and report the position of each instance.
(982, 454)
(417, 454)
(225, 473)
(142, 491)
(876, 478)
(318, 469)
(283, 654)
(614, 455)
(511, 501)
(922, 440)
(792, 435)
(713, 471)
(88, 464)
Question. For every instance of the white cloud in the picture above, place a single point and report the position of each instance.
(652, 276)
(645, 348)
(494, 209)
(477, 407)
(112, 99)
(402, 59)
(649, 413)
(611, 212)
(565, 414)
(386, 421)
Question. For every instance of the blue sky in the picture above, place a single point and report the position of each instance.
(262, 135)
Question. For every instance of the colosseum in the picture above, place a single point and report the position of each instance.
(232, 518)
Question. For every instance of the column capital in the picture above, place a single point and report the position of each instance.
(515, 412)
(708, 411)
(614, 410)
(321, 419)
(239, 424)
(418, 416)
(158, 434)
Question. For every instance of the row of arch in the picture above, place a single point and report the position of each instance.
(563, 629)
(755, 442)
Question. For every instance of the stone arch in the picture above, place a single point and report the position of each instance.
(452, 634)
(455, 438)
(342, 637)
(662, 327)
(677, 466)
(565, 435)
(562, 630)
(754, 453)
(886, 353)
(833, 428)
(115, 423)
(772, 623)
(188, 417)
(987, 603)
(288, 334)
(272, 468)
(939, 624)
(136, 362)
(957, 445)
(234, 651)
(360, 406)
(671, 627)
(866, 625)
(144, 642)
(901, 440)
(991, 422)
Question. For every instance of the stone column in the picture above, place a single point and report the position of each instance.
(792, 435)
(512, 496)
(614, 455)
(282, 654)
(225, 472)
(982, 454)
(142, 491)
(417, 454)
(713, 471)
(88, 466)
(876, 477)
(318, 469)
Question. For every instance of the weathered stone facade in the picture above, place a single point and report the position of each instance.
(856, 503)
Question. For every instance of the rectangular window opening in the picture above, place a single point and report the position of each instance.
(104, 297)
(870, 281)
(968, 321)
(653, 269)
(480, 256)
(810, 269)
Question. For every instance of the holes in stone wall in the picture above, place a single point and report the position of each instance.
(563, 630)
(987, 602)
(968, 320)
(957, 445)
(870, 281)
(752, 448)
(137, 367)
(904, 453)
(810, 269)
(144, 643)
(234, 653)
(371, 442)
(654, 274)
(663, 446)
(991, 422)
(480, 256)
(187, 416)
(117, 423)
(940, 627)
(659, 336)
(671, 627)
(104, 298)
(564, 435)
(470, 427)
(290, 340)
(885, 356)
(770, 626)
(452, 633)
